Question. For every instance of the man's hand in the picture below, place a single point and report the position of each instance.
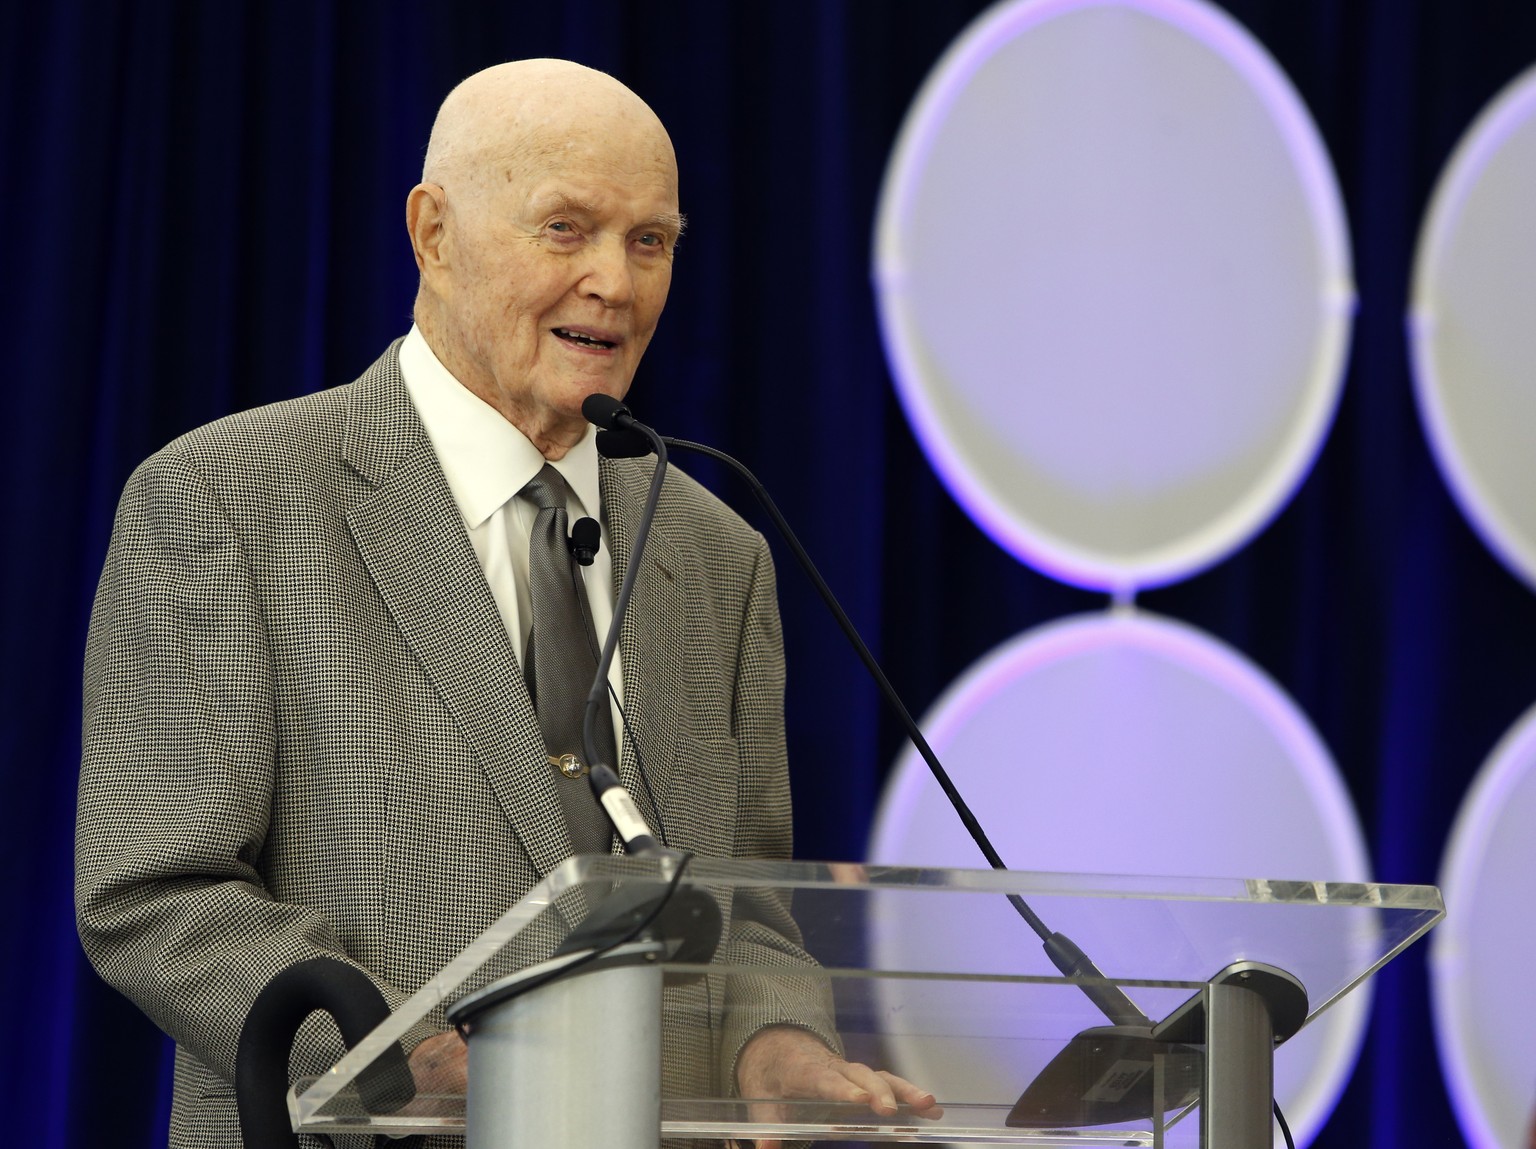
(788, 1062)
(440, 1065)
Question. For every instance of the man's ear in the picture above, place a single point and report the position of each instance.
(426, 218)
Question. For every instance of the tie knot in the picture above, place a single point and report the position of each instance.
(546, 490)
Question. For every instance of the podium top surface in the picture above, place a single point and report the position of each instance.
(1158, 938)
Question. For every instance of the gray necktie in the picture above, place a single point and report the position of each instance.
(560, 663)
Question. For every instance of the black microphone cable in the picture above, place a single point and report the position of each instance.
(580, 958)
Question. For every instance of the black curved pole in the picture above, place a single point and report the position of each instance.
(261, 1058)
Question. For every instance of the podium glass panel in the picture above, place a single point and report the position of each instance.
(801, 944)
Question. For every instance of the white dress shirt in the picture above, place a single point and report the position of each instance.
(487, 461)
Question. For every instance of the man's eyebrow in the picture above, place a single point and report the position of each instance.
(561, 203)
(566, 204)
(672, 221)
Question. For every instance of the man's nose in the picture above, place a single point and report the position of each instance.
(610, 277)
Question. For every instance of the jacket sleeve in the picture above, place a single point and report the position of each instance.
(788, 988)
(177, 775)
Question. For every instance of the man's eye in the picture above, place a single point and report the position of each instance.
(561, 226)
(651, 239)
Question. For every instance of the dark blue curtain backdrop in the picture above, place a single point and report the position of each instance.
(202, 207)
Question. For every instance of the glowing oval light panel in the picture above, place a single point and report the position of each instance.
(1471, 334)
(1114, 284)
(1480, 955)
(1126, 744)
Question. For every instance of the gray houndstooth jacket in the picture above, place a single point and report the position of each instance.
(307, 734)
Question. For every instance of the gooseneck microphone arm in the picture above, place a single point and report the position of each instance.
(609, 413)
(1063, 952)
(866, 657)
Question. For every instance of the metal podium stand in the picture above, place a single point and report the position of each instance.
(624, 1036)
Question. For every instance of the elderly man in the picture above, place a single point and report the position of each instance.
(309, 731)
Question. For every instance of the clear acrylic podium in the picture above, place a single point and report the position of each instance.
(634, 1041)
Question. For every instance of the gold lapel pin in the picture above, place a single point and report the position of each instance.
(569, 765)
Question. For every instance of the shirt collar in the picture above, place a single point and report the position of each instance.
(485, 458)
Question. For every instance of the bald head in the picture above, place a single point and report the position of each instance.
(544, 227)
(524, 114)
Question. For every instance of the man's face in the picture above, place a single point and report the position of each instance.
(558, 269)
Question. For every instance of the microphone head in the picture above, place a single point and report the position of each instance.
(586, 537)
(625, 444)
(604, 410)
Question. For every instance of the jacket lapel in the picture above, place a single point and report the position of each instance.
(651, 637)
(412, 540)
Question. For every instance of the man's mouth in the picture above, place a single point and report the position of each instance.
(581, 339)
